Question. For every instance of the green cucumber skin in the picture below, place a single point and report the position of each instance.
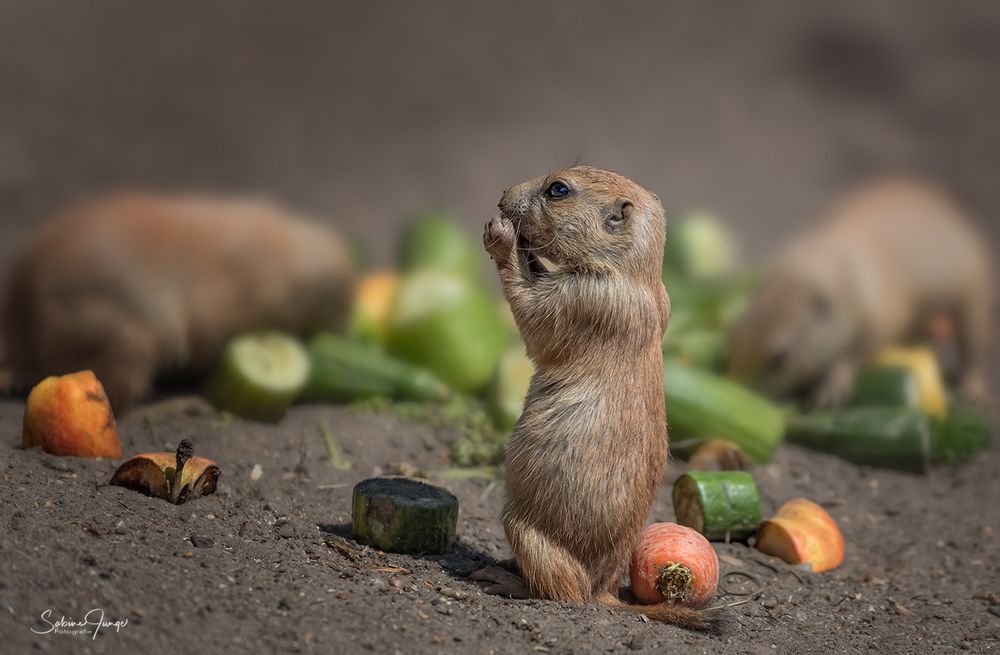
(730, 503)
(885, 387)
(897, 438)
(887, 437)
(401, 523)
(703, 404)
(344, 370)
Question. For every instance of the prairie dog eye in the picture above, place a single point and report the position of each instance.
(557, 190)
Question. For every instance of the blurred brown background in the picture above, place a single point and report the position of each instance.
(364, 113)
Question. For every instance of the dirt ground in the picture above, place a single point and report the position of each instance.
(365, 114)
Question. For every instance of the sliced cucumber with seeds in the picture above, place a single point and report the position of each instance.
(259, 376)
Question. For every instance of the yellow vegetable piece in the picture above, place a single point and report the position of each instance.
(924, 365)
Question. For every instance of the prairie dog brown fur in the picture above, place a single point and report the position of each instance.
(134, 285)
(585, 458)
(888, 255)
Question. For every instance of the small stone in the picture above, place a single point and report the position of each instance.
(287, 531)
(457, 594)
(256, 472)
(121, 529)
(637, 643)
(201, 542)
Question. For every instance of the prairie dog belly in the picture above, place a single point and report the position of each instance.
(574, 465)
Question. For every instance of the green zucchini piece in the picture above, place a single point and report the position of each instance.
(897, 438)
(876, 436)
(404, 515)
(259, 376)
(721, 505)
(701, 404)
(344, 370)
(885, 386)
(959, 436)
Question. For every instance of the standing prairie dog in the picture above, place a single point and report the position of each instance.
(585, 458)
(130, 286)
(889, 256)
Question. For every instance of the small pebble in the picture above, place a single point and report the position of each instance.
(287, 530)
(637, 643)
(201, 542)
(256, 472)
(121, 529)
(457, 594)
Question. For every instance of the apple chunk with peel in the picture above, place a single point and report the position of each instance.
(802, 532)
(71, 415)
(174, 477)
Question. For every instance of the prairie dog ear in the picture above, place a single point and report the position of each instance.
(621, 211)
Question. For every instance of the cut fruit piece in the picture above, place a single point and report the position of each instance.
(70, 415)
(674, 564)
(259, 376)
(404, 515)
(802, 532)
(156, 475)
(721, 505)
(443, 323)
(510, 387)
(373, 300)
(344, 370)
(924, 365)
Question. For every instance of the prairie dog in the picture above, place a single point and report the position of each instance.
(134, 285)
(889, 254)
(586, 456)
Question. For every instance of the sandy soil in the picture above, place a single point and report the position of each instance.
(363, 115)
(258, 565)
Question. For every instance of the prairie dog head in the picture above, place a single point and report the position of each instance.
(587, 219)
(797, 324)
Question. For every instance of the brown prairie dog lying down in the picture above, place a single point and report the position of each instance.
(135, 285)
(889, 256)
(585, 458)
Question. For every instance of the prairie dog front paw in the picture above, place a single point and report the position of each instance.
(498, 239)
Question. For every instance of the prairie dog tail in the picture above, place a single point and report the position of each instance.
(683, 617)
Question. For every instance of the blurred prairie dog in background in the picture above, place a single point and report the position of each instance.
(134, 285)
(889, 255)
